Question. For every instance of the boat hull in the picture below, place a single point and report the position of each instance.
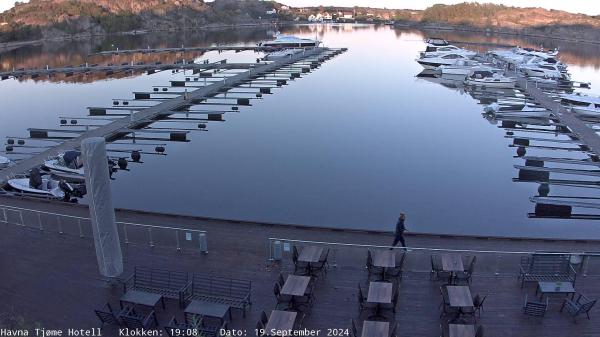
(490, 84)
(52, 188)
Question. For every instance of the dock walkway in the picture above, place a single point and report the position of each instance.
(143, 117)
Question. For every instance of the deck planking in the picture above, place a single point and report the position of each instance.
(53, 279)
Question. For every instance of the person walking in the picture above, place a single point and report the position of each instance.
(400, 229)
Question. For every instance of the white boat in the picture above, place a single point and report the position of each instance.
(48, 187)
(526, 111)
(282, 54)
(579, 99)
(68, 162)
(436, 51)
(4, 162)
(287, 41)
(586, 111)
(465, 68)
(437, 41)
(486, 78)
(544, 70)
(435, 62)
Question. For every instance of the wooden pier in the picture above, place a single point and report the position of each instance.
(179, 103)
(184, 49)
(579, 129)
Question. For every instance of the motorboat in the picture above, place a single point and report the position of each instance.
(525, 111)
(4, 162)
(544, 70)
(68, 162)
(39, 185)
(486, 78)
(579, 99)
(279, 54)
(437, 41)
(464, 68)
(288, 41)
(436, 51)
(587, 111)
(435, 62)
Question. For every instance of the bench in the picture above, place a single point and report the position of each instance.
(170, 284)
(546, 268)
(215, 289)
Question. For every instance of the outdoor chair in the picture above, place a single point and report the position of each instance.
(437, 272)
(354, 330)
(466, 275)
(133, 320)
(479, 332)
(534, 308)
(478, 303)
(576, 307)
(263, 318)
(260, 326)
(363, 305)
(281, 299)
(179, 326)
(298, 265)
(323, 264)
(396, 272)
(281, 280)
(445, 304)
(394, 332)
(107, 315)
(392, 306)
(370, 267)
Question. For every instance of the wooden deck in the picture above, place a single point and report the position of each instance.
(53, 280)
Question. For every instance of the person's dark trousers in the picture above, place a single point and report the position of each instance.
(399, 238)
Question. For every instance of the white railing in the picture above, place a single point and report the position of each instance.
(496, 262)
(129, 233)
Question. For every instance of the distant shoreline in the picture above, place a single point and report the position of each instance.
(495, 31)
(7, 46)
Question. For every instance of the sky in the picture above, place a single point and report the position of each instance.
(591, 7)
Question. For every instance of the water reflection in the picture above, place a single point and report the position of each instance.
(349, 145)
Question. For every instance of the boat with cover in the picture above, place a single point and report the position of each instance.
(68, 162)
(490, 79)
(4, 162)
(578, 99)
(517, 111)
(587, 111)
(288, 41)
(40, 185)
(436, 61)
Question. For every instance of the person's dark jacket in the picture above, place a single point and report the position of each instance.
(400, 228)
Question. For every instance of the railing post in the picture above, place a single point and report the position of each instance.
(80, 229)
(498, 258)
(277, 251)
(60, 231)
(5, 215)
(584, 265)
(334, 258)
(177, 239)
(41, 225)
(150, 236)
(21, 217)
(203, 243)
(125, 233)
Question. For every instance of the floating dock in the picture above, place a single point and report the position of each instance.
(178, 103)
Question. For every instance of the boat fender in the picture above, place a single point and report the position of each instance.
(122, 163)
(136, 156)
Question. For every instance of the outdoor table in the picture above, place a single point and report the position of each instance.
(208, 309)
(460, 297)
(142, 298)
(452, 263)
(295, 286)
(375, 329)
(279, 321)
(554, 288)
(461, 330)
(380, 293)
(310, 255)
(384, 259)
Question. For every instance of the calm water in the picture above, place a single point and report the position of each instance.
(349, 145)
